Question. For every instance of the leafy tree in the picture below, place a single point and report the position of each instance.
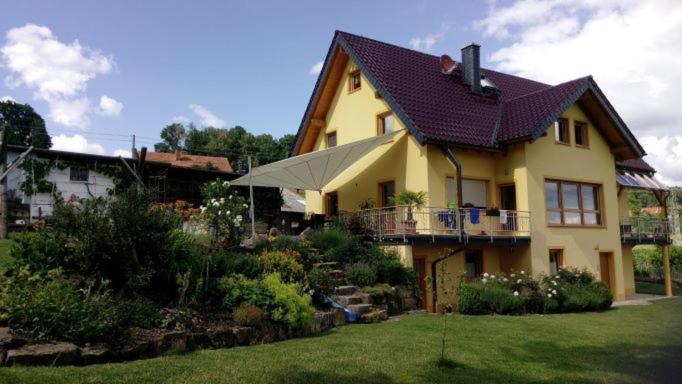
(173, 136)
(26, 126)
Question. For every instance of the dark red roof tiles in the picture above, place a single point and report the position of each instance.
(635, 164)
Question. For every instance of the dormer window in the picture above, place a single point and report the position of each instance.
(561, 132)
(354, 81)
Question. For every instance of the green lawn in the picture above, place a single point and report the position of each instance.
(633, 344)
(655, 288)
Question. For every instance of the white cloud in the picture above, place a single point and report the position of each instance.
(7, 98)
(56, 72)
(316, 68)
(426, 43)
(208, 119)
(182, 119)
(109, 106)
(666, 154)
(630, 47)
(123, 152)
(76, 143)
(70, 112)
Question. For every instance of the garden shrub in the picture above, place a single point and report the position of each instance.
(39, 251)
(288, 305)
(469, 299)
(138, 312)
(577, 298)
(500, 300)
(226, 263)
(323, 280)
(283, 262)
(326, 240)
(50, 307)
(361, 274)
(123, 239)
(239, 289)
(248, 315)
(222, 212)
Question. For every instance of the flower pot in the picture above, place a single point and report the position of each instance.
(410, 226)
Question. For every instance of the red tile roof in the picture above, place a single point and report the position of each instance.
(635, 164)
(439, 108)
(221, 164)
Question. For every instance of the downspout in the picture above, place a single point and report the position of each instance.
(434, 276)
(458, 166)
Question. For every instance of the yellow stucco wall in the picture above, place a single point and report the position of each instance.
(424, 168)
(581, 246)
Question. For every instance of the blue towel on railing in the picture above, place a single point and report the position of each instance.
(474, 215)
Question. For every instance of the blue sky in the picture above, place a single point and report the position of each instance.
(249, 63)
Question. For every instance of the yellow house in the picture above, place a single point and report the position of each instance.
(518, 175)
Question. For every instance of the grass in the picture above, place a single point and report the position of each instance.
(5, 259)
(655, 288)
(633, 344)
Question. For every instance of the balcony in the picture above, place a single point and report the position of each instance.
(645, 230)
(399, 223)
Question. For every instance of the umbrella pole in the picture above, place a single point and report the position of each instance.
(251, 211)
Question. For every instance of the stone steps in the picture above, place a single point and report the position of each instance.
(346, 290)
(360, 309)
(350, 300)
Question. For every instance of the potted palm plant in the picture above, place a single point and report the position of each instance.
(411, 200)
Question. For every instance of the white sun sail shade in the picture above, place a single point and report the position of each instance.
(313, 170)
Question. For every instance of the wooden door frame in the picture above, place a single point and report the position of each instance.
(609, 255)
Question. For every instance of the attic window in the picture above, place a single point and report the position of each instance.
(561, 131)
(581, 139)
(354, 81)
(331, 140)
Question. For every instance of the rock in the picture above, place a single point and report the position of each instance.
(8, 340)
(139, 346)
(43, 354)
(346, 290)
(198, 340)
(374, 316)
(360, 309)
(243, 335)
(95, 354)
(3, 354)
(222, 337)
(338, 317)
(328, 264)
(349, 300)
(304, 234)
(170, 341)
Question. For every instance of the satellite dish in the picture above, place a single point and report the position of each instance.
(447, 64)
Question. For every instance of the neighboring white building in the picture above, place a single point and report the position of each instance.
(81, 182)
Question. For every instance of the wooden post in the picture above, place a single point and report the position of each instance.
(3, 183)
(662, 197)
(666, 271)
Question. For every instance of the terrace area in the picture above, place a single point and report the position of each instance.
(645, 230)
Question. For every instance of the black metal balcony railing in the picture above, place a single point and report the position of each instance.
(439, 221)
(645, 229)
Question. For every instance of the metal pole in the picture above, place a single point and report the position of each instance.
(251, 211)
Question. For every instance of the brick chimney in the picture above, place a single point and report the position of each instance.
(471, 67)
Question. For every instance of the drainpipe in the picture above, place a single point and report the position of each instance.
(434, 276)
(451, 156)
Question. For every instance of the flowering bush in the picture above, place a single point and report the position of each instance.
(222, 212)
(570, 290)
(323, 280)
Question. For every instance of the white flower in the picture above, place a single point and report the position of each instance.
(492, 277)
(228, 213)
(557, 276)
(230, 197)
(222, 199)
(246, 206)
(553, 282)
(216, 204)
(516, 293)
(225, 183)
(486, 274)
(518, 281)
(239, 217)
(554, 291)
(484, 280)
(505, 279)
(220, 213)
(513, 275)
(523, 273)
(549, 295)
